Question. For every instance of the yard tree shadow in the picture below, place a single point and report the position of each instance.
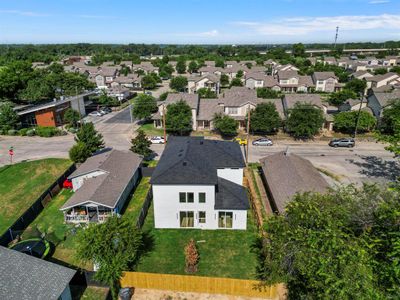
(147, 247)
(373, 166)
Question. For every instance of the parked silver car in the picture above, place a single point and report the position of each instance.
(263, 142)
(344, 142)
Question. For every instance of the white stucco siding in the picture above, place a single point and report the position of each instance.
(234, 175)
(167, 205)
(77, 182)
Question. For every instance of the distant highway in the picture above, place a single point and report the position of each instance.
(321, 51)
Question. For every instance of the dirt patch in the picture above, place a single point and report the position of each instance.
(148, 294)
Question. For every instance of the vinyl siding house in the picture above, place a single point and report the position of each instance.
(379, 101)
(198, 184)
(101, 186)
(325, 81)
(209, 81)
(381, 80)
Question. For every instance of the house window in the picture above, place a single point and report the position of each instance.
(202, 197)
(232, 110)
(259, 82)
(225, 219)
(186, 219)
(320, 82)
(186, 197)
(202, 217)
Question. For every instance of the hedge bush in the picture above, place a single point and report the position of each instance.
(47, 131)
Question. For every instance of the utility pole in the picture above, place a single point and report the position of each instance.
(336, 36)
(248, 134)
(359, 114)
(163, 120)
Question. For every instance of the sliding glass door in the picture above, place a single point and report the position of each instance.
(186, 219)
(225, 219)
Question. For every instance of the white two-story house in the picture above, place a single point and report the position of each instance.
(325, 81)
(198, 184)
(209, 81)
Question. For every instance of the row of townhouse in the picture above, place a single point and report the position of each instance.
(234, 102)
(291, 81)
(378, 83)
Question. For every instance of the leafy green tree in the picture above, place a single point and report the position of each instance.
(328, 246)
(141, 144)
(37, 89)
(236, 82)
(148, 82)
(79, 153)
(114, 245)
(389, 130)
(225, 125)
(358, 86)
(395, 69)
(14, 78)
(72, 117)
(346, 121)
(206, 93)
(163, 96)
(219, 63)
(299, 50)
(340, 97)
(265, 119)
(144, 106)
(249, 65)
(179, 83)
(239, 74)
(107, 100)
(193, 67)
(267, 93)
(181, 66)
(178, 118)
(8, 117)
(88, 135)
(305, 120)
(224, 80)
(168, 69)
(380, 71)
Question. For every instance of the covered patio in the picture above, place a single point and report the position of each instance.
(87, 213)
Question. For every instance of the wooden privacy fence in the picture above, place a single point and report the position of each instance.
(199, 284)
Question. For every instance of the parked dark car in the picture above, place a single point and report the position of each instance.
(344, 142)
(106, 109)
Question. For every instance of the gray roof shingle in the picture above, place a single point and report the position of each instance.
(24, 277)
(194, 160)
(288, 174)
(231, 196)
(105, 189)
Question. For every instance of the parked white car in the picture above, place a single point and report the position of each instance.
(157, 140)
(95, 114)
(263, 142)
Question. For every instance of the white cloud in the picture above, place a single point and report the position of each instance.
(307, 25)
(378, 1)
(211, 33)
(23, 13)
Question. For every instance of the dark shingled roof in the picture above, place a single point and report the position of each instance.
(194, 160)
(287, 174)
(105, 189)
(231, 196)
(24, 277)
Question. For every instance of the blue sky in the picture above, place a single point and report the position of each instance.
(198, 21)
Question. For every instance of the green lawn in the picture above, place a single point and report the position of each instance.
(134, 206)
(223, 253)
(22, 183)
(51, 222)
(150, 130)
(94, 293)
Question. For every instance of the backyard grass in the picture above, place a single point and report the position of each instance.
(51, 222)
(21, 184)
(94, 293)
(135, 204)
(223, 253)
(150, 130)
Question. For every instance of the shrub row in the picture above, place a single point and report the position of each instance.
(39, 131)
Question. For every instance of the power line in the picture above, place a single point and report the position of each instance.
(336, 36)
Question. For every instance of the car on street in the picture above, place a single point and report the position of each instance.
(149, 93)
(240, 141)
(262, 142)
(105, 110)
(157, 140)
(343, 142)
(95, 114)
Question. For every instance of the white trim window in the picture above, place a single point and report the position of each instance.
(186, 197)
(202, 197)
(202, 217)
(186, 219)
(225, 219)
(233, 111)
